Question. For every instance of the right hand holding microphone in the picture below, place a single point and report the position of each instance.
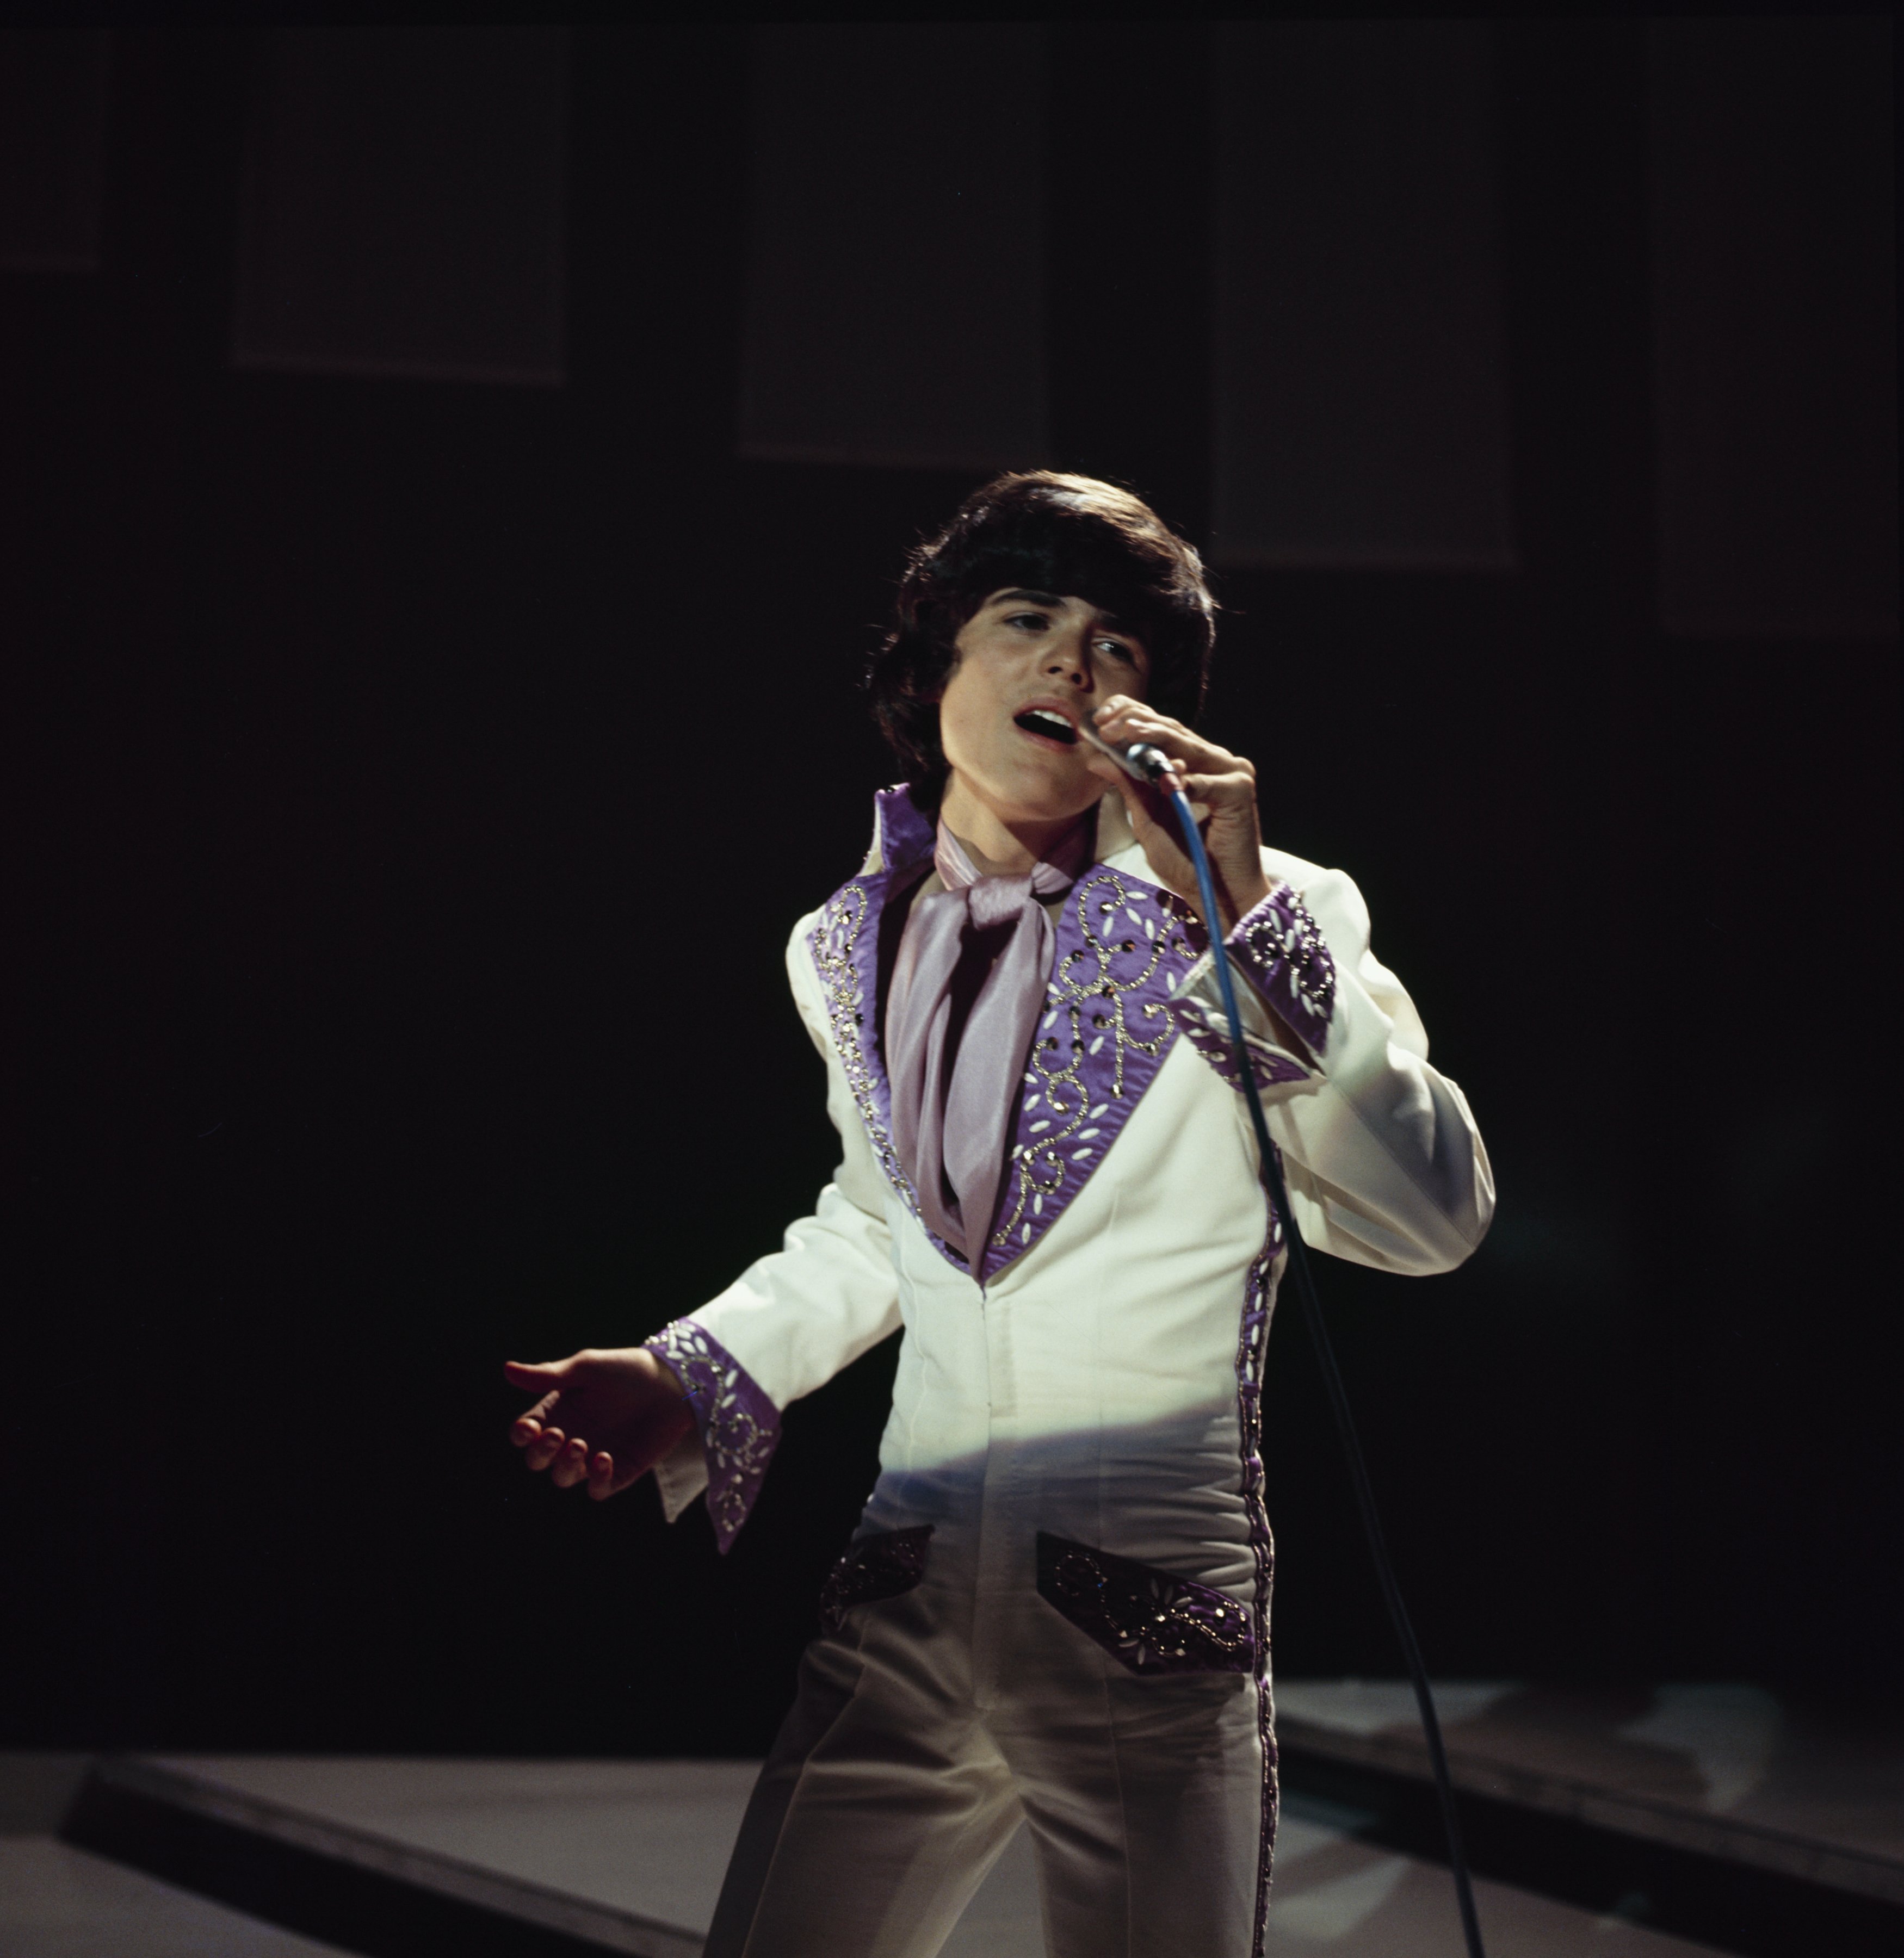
(604, 1417)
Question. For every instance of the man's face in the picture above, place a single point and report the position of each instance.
(1031, 665)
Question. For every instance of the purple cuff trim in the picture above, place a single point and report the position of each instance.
(1281, 950)
(1208, 1032)
(1147, 1619)
(740, 1426)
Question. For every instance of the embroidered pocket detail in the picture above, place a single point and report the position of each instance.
(1147, 1619)
(886, 1565)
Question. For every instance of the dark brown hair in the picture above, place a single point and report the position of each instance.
(1068, 534)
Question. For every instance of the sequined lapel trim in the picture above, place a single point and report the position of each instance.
(845, 945)
(845, 948)
(1124, 946)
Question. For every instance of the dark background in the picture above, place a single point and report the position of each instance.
(407, 805)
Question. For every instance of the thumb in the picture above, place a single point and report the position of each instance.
(534, 1378)
(1138, 809)
(1146, 805)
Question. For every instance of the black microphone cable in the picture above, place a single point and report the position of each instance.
(1298, 1267)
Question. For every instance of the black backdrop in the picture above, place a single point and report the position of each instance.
(407, 814)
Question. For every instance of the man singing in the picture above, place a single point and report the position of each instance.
(1056, 1607)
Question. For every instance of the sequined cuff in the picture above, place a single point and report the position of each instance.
(740, 1426)
(1280, 948)
(1198, 1010)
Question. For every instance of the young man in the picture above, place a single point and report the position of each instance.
(1056, 1607)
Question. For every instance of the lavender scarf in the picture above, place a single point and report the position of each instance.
(967, 986)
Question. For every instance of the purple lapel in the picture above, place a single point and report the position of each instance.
(1124, 946)
(845, 945)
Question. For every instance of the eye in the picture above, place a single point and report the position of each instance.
(1035, 619)
(1127, 654)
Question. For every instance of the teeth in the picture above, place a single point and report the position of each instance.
(1045, 714)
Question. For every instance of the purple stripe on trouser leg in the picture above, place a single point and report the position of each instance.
(1252, 1342)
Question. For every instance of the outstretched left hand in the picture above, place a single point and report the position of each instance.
(1222, 789)
(604, 1417)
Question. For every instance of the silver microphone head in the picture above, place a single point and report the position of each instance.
(1141, 760)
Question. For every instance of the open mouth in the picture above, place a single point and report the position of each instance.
(1052, 727)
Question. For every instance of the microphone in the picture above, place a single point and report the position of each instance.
(1142, 761)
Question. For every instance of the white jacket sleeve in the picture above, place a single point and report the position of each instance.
(793, 1319)
(1382, 1160)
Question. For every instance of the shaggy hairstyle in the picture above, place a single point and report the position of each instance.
(1068, 534)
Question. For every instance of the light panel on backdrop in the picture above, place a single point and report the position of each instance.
(1774, 271)
(53, 85)
(894, 310)
(401, 211)
(1360, 391)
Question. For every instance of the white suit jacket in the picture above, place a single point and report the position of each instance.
(1098, 1378)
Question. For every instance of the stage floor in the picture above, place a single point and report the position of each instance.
(628, 1855)
(59, 1902)
(1719, 1770)
(1680, 1819)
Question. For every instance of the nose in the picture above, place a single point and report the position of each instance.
(1064, 661)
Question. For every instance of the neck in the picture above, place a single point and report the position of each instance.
(1008, 846)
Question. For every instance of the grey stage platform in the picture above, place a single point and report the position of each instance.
(628, 1856)
(1722, 1771)
(58, 1901)
(566, 1858)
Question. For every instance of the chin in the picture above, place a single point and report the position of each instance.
(1048, 801)
(1034, 788)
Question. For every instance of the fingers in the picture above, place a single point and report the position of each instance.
(1148, 808)
(567, 1461)
(1220, 789)
(1206, 791)
(1121, 719)
(529, 1424)
(627, 1398)
(543, 1447)
(531, 1431)
(1152, 814)
(534, 1432)
(571, 1464)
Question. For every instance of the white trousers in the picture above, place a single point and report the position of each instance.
(897, 1780)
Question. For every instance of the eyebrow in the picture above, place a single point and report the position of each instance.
(1109, 619)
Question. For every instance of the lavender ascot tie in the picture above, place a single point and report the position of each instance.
(967, 987)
